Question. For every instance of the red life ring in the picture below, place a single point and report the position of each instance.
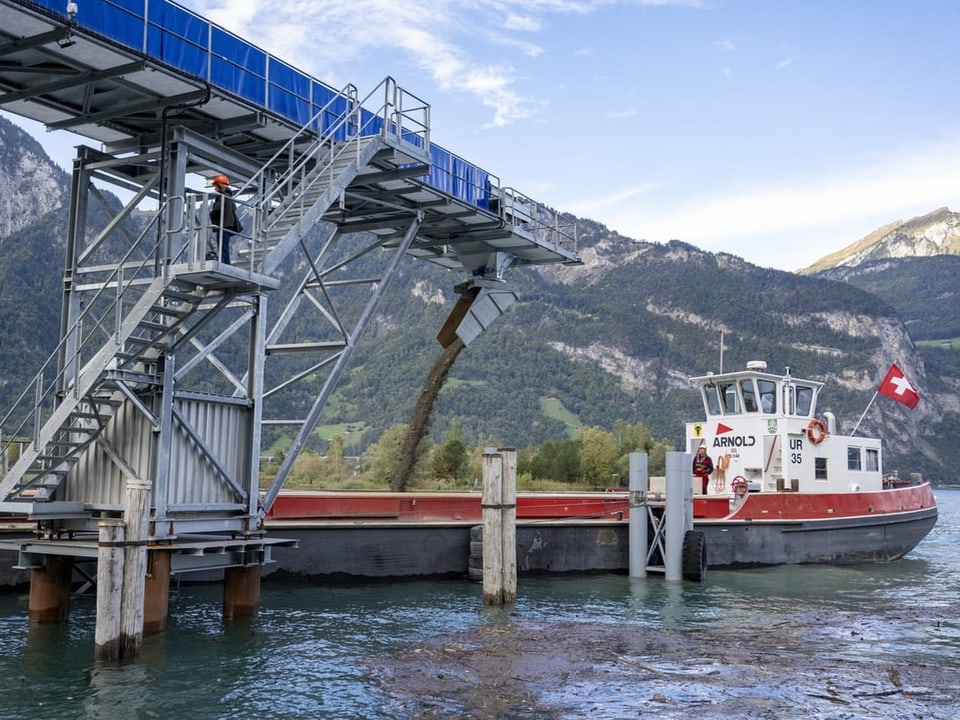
(816, 431)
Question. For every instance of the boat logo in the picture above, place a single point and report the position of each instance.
(734, 441)
(731, 441)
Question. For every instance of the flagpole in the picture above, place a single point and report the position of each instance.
(854, 431)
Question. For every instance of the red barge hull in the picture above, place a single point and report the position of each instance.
(764, 529)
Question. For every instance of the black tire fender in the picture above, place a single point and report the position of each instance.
(694, 556)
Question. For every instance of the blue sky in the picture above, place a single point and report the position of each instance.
(778, 131)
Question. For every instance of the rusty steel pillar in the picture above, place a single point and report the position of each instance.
(156, 594)
(241, 591)
(50, 591)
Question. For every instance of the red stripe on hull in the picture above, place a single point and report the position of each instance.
(438, 507)
(813, 506)
(307, 505)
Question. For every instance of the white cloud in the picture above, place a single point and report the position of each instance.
(791, 223)
(785, 63)
(525, 23)
(617, 114)
(725, 45)
(448, 40)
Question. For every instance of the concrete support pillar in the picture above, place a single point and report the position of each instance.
(678, 497)
(156, 592)
(50, 591)
(639, 544)
(241, 591)
(109, 590)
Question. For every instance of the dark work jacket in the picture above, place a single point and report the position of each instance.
(702, 466)
(223, 212)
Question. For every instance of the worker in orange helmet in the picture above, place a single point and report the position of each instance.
(223, 217)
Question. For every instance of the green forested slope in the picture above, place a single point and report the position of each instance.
(614, 339)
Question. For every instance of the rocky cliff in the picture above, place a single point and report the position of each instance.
(937, 233)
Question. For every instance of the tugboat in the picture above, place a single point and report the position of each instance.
(786, 488)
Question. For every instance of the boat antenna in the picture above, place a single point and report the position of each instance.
(721, 352)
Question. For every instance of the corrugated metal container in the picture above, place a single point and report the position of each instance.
(210, 439)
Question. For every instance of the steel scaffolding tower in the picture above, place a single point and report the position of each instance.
(170, 363)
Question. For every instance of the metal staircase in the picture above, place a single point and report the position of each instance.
(152, 305)
(84, 401)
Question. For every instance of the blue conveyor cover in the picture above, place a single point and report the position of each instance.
(170, 34)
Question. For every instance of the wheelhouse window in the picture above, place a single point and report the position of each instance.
(711, 399)
(820, 468)
(871, 460)
(853, 459)
(768, 395)
(731, 401)
(804, 400)
(749, 395)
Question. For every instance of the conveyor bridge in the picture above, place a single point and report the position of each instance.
(170, 362)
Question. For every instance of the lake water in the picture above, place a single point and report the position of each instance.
(870, 641)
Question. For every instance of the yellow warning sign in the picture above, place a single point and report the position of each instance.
(698, 430)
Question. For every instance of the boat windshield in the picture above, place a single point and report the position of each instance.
(728, 395)
(749, 395)
(711, 399)
(768, 395)
(723, 397)
(800, 400)
(804, 400)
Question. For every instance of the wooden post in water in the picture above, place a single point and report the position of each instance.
(499, 506)
(492, 528)
(109, 590)
(508, 523)
(137, 517)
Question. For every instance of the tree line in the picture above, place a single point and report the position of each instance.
(596, 459)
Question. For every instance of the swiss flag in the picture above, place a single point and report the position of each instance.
(896, 386)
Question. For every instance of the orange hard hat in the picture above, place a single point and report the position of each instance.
(220, 180)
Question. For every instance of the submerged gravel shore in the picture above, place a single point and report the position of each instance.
(521, 669)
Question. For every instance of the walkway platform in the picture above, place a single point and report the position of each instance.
(122, 72)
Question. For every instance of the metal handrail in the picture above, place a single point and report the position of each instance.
(394, 118)
(122, 282)
(543, 222)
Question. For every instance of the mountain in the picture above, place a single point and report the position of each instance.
(31, 185)
(937, 233)
(34, 193)
(613, 339)
(618, 337)
(923, 290)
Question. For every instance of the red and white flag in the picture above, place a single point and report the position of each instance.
(896, 387)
